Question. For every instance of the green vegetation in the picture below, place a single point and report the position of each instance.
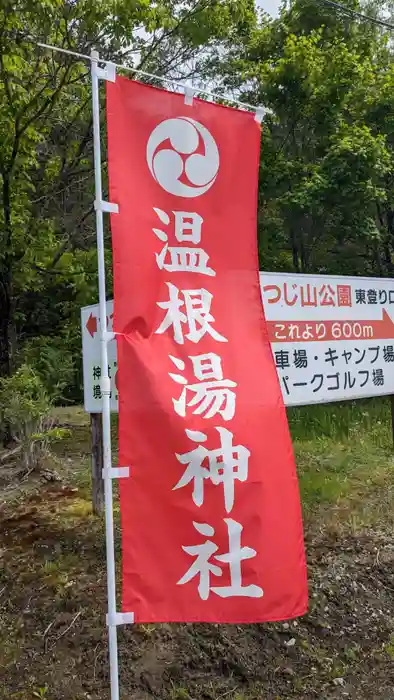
(345, 454)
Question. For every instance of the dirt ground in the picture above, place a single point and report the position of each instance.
(53, 641)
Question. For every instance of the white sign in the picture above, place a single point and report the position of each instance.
(91, 358)
(332, 339)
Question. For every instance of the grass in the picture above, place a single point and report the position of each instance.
(389, 647)
(345, 460)
(343, 421)
(344, 455)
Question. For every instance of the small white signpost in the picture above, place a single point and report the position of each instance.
(332, 339)
(90, 319)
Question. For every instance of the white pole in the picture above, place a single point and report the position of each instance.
(105, 383)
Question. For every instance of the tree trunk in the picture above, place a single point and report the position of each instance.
(294, 250)
(96, 422)
(389, 247)
(6, 282)
(5, 344)
(5, 322)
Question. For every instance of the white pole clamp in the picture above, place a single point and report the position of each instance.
(105, 386)
(107, 336)
(107, 207)
(120, 619)
(189, 94)
(116, 473)
(107, 73)
(260, 111)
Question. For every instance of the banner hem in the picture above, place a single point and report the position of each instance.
(216, 620)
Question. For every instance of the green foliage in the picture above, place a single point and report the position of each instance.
(326, 178)
(23, 400)
(389, 647)
(47, 234)
(55, 368)
(25, 410)
(41, 692)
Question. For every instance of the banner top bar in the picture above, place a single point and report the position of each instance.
(260, 110)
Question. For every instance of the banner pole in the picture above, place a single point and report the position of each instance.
(106, 388)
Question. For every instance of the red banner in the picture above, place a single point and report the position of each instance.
(210, 513)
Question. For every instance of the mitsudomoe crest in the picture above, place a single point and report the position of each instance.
(183, 157)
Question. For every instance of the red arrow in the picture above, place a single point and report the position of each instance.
(91, 324)
(312, 331)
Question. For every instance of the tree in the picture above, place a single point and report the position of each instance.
(47, 258)
(326, 160)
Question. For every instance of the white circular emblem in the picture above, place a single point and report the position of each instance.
(188, 162)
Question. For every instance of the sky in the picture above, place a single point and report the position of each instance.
(270, 6)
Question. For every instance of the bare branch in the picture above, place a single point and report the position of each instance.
(198, 7)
